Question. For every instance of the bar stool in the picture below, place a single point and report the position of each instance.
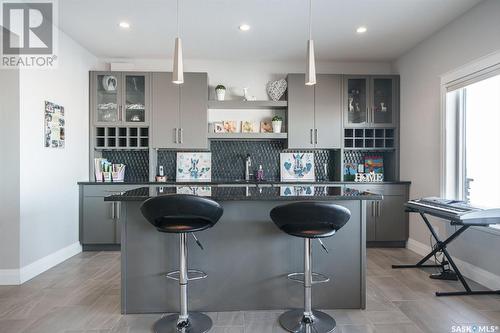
(309, 220)
(182, 214)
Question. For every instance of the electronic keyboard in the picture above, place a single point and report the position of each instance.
(458, 212)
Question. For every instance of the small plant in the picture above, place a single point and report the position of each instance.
(220, 87)
(277, 118)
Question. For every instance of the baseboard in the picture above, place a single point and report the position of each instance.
(481, 276)
(19, 276)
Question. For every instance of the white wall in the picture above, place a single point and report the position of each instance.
(236, 75)
(49, 193)
(471, 36)
(9, 170)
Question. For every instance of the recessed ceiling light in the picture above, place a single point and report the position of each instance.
(124, 25)
(361, 30)
(244, 27)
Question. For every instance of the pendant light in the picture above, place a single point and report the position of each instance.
(311, 64)
(178, 70)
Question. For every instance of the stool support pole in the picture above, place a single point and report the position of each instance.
(183, 277)
(307, 278)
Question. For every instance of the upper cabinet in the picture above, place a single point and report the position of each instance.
(119, 98)
(315, 112)
(370, 101)
(179, 112)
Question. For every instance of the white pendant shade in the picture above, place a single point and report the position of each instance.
(311, 64)
(178, 70)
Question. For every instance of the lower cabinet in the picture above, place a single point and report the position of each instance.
(100, 227)
(386, 219)
(101, 221)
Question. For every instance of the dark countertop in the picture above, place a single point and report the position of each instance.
(248, 193)
(253, 182)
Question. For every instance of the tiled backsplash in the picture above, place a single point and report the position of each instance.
(136, 161)
(228, 160)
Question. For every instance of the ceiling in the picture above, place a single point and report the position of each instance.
(209, 28)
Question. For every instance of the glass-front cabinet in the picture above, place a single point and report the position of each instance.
(357, 100)
(370, 101)
(120, 98)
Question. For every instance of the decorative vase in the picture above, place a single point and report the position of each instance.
(221, 93)
(277, 126)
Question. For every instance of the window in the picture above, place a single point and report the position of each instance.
(473, 142)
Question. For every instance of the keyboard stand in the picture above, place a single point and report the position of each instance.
(441, 247)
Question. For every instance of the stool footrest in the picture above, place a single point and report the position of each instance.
(316, 278)
(193, 274)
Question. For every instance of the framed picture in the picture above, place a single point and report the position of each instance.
(194, 166)
(54, 124)
(248, 127)
(219, 127)
(297, 167)
(230, 126)
(374, 163)
(266, 126)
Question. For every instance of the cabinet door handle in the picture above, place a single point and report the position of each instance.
(316, 136)
(175, 135)
(113, 210)
(117, 210)
(120, 113)
(181, 136)
(311, 136)
(378, 208)
(373, 208)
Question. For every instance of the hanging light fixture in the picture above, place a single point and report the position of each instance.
(178, 70)
(311, 64)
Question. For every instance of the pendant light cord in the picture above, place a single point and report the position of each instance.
(310, 19)
(178, 18)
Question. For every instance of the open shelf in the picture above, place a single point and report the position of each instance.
(248, 136)
(235, 104)
(369, 138)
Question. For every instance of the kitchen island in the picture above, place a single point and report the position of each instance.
(246, 256)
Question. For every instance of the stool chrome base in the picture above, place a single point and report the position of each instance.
(293, 321)
(198, 323)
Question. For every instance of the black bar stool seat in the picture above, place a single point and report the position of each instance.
(182, 214)
(309, 220)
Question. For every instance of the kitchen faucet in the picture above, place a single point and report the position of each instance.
(248, 165)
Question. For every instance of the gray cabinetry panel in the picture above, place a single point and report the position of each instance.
(193, 118)
(99, 226)
(392, 219)
(166, 116)
(371, 221)
(300, 113)
(328, 111)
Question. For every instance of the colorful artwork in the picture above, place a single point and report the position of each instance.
(296, 191)
(266, 126)
(350, 170)
(248, 127)
(202, 191)
(297, 166)
(374, 164)
(194, 166)
(230, 126)
(54, 125)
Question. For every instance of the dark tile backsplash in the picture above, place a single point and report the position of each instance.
(228, 160)
(136, 161)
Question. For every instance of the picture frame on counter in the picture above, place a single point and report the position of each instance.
(194, 166)
(297, 167)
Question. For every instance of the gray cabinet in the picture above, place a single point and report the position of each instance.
(179, 112)
(119, 98)
(100, 220)
(386, 220)
(315, 112)
(371, 101)
(100, 224)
